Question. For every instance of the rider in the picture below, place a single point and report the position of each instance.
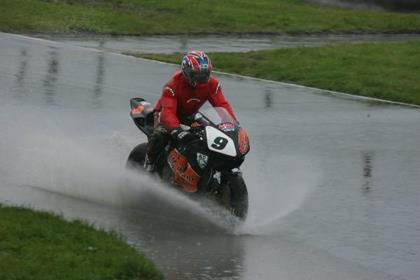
(183, 95)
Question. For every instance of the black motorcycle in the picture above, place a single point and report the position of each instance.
(206, 166)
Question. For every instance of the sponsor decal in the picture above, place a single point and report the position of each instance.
(225, 127)
(202, 160)
(182, 134)
(185, 176)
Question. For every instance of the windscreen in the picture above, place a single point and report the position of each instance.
(217, 115)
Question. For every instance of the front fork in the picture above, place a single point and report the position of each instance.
(225, 176)
(216, 185)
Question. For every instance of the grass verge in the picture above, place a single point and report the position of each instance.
(187, 16)
(38, 245)
(388, 71)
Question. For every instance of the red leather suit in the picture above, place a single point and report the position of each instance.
(179, 99)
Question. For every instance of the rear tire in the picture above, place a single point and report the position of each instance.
(137, 156)
(238, 196)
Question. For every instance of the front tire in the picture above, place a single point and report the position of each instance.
(238, 196)
(137, 156)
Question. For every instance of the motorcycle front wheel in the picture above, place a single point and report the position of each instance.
(238, 196)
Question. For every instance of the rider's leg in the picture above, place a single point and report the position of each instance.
(156, 143)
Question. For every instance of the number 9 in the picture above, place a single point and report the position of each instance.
(219, 143)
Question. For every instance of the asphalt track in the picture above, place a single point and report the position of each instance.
(333, 180)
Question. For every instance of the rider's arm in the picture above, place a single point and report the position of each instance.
(217, 99)
(168, 102)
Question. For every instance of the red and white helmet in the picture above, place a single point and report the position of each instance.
(196, 67)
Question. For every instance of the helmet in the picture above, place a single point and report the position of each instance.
(196, 67)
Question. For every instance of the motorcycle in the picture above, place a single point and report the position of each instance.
(208, 165)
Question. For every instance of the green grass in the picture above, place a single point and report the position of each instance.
(190, 16)
(382, 70)
(37, 245)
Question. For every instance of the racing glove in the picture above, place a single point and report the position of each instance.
(182, 136)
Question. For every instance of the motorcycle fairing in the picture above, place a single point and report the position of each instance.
(185, 176)
(142, 114)
(243, 141)
(219, 142)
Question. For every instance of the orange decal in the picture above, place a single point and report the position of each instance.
(243, 141)
(185, 176)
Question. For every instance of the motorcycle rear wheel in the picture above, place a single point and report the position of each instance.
(137, 156)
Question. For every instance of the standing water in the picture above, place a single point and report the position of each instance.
(333, 181)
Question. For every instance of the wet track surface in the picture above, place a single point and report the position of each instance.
(333, 180)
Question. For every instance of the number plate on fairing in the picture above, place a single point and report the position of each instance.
(219, 142)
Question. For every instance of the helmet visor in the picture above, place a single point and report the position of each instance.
(201, 77)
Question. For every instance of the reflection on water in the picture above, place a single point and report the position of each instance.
(51, 77)
(367, 170)
(184, 251)
(268, 95)
(20, 76)
(100, 73)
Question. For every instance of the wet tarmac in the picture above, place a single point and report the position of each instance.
(333, 180)
(219, 43)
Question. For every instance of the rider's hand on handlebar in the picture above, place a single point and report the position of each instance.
(182, 136)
